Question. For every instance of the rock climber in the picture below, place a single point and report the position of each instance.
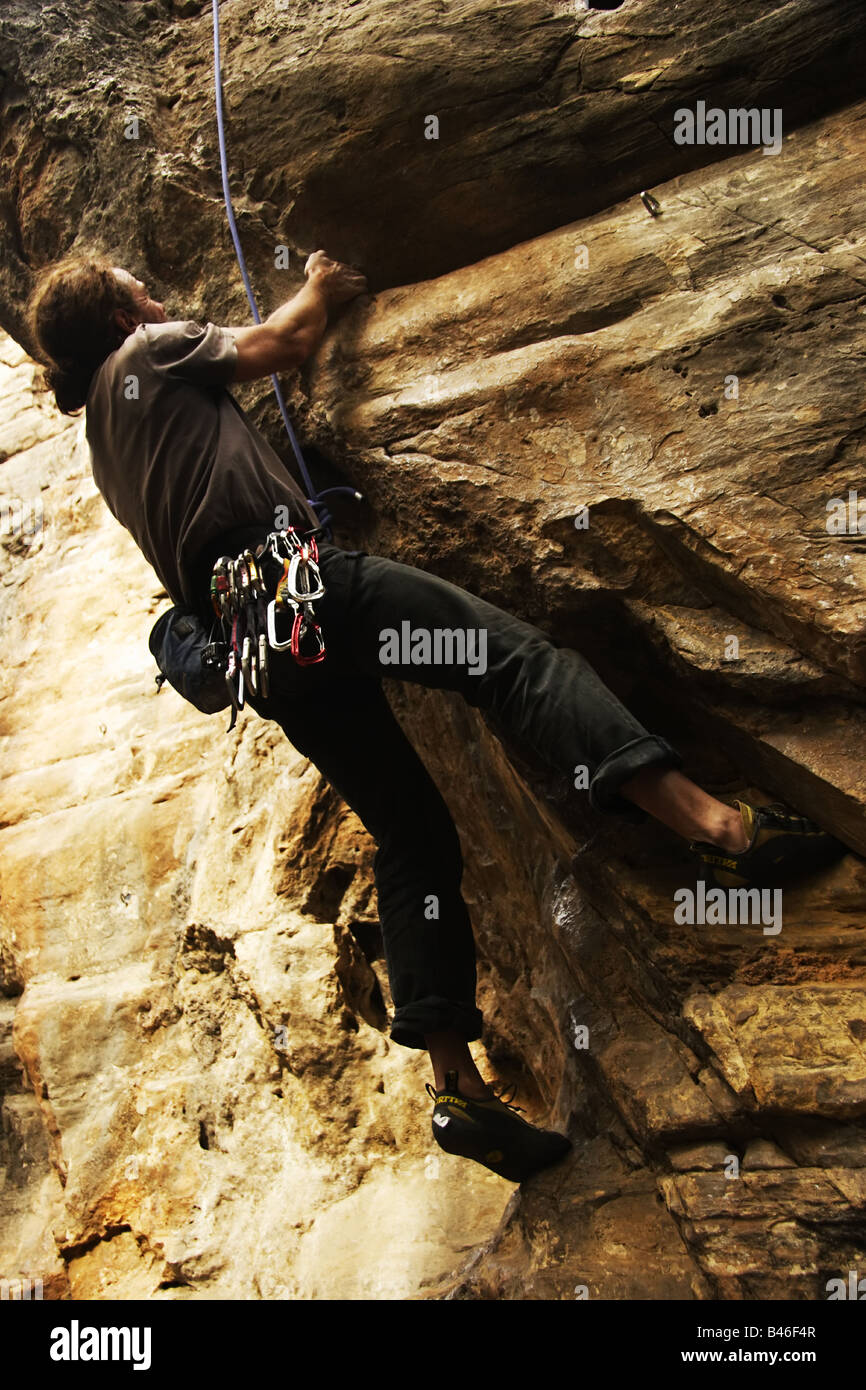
(185, 471)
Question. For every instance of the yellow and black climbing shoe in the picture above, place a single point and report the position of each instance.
(781, 846)
(492, 1133)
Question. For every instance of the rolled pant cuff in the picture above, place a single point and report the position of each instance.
(623, 764)
(435, 1015)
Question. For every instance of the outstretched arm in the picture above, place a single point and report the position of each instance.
(293, 332)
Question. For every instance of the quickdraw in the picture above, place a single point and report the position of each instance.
(250, 617)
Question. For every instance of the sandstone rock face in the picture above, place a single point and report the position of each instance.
(631, 430)
(199, 1095)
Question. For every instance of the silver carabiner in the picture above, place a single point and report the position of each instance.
(273, 544)
(272, 627)
(304, 595)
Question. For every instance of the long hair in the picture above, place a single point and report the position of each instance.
(71, 317)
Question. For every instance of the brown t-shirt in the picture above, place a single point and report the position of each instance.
(173, 454)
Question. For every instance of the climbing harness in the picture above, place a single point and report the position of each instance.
(315, 499)
(265, 602)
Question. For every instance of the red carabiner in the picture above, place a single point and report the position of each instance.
(297, 626)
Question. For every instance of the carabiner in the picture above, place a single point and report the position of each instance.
(272, 627)
(300, 628)
(304, 595)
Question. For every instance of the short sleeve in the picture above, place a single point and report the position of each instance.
(204, 355)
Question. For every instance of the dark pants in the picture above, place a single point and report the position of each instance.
(336, 714)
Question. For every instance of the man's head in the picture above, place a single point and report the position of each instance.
(81, 312)
(148, 311)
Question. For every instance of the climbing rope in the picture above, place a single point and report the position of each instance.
(314, 498)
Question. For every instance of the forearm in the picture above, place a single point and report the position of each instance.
(292, 332)
(303, 318)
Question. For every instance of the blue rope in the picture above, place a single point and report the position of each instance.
(314, 498)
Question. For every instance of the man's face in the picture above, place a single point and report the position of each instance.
(147, 311)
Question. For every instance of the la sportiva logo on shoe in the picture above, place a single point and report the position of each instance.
(719, 907)
(720, 861)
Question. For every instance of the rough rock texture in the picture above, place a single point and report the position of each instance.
(546, 113)
(539, 345)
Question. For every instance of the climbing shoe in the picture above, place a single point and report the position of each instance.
(492, 1133)
(781, 846)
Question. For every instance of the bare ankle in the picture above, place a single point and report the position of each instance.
(450, 1053)
(728, 832)
(474, 1088)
